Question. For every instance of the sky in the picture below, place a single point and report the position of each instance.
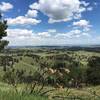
(51, 22)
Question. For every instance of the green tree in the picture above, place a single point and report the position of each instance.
(93, 71)
(3, 33)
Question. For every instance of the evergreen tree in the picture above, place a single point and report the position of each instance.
(3, 33)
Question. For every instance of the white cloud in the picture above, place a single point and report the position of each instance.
(5, 6)
(85, 3)
(47, 34)
(75, 33)
(90, 8)
(52, 30)
(14, 33)
(82, 9)
(21, 20)
(34, 6)
(86, 34)
(21, 37)
(26, 37)
(44, 34)
(82, 23)
(87, 6)
(32, 13)
(60, 10)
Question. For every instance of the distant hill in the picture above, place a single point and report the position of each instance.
(55, 46)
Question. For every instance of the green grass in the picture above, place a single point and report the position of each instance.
(83, 94)
(7, 92)
(26, 64)
(16, 96)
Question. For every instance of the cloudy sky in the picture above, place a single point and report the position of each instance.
(52, 22)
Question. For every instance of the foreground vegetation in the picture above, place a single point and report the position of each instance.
(16, 96)
(7, 92)
(42, 73)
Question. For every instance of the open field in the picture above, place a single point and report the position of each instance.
(23, 78)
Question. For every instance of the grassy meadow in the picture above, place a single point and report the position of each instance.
(43, 74)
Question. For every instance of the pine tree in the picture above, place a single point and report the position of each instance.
(3, 33)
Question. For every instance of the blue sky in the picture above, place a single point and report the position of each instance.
(52, 22)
